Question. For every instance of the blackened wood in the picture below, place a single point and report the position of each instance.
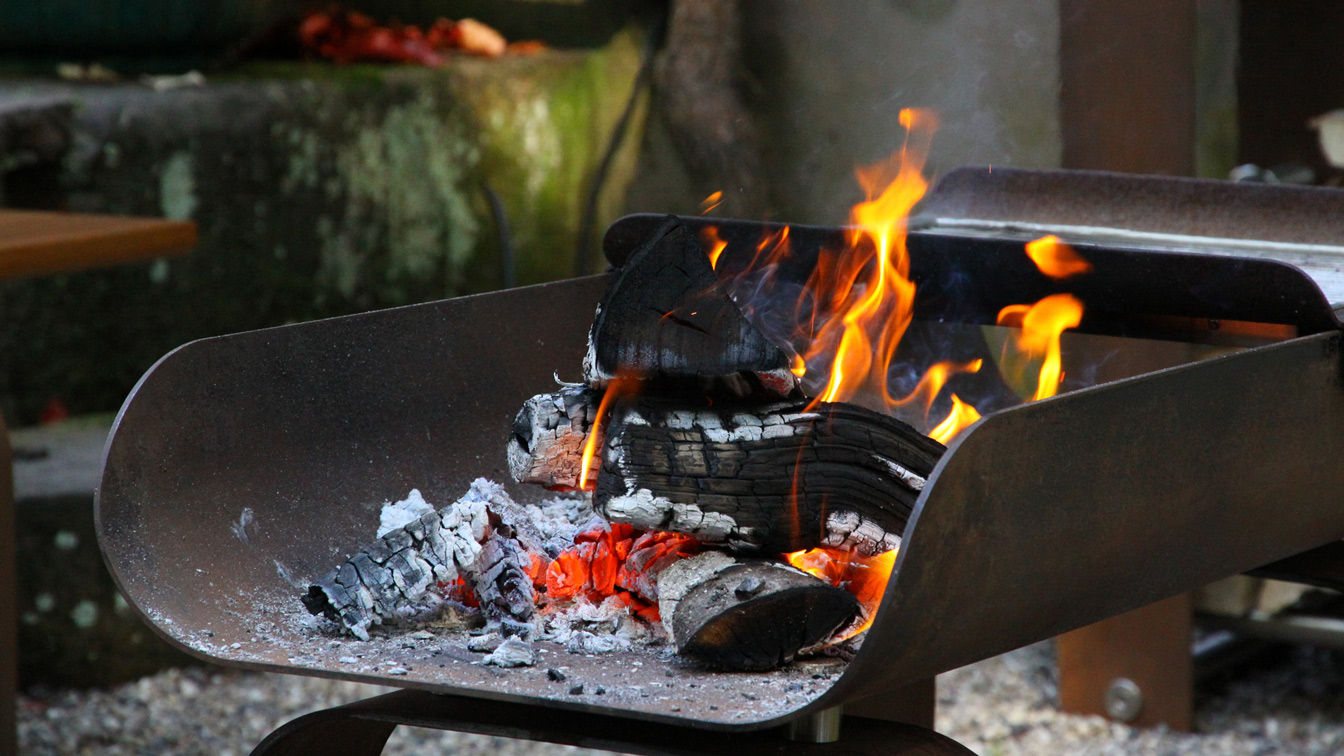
(392, 579)
(666, 316)
(764, 477)
(546, 444)
(758, 615)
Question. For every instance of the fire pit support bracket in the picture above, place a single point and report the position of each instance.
(362, 729)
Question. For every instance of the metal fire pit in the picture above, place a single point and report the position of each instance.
(242, 466)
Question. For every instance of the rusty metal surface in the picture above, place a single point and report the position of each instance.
(1052, 515)
(1127, 85)
(361, 728)
(9, 600)
(969, 279)
(1261, 213)
(244, 465)
(1149, 646)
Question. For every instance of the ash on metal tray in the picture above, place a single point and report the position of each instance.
(477, 565)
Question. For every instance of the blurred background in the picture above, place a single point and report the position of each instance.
(341, 158)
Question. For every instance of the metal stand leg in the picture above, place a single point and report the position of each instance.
(362, 729)
(9, 602)
(1134, 668)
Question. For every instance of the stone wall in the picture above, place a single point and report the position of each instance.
(319, 190)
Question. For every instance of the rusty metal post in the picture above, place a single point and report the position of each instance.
(9, 604)
(1135, 668)
(1127, 85)
(1127, 103)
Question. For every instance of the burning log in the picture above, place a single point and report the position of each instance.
(398, 576)
(774, 478)
(758, 477)
(665, 316)
(750, 615)
(719, 609)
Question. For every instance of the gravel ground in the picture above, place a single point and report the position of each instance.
(1000, 707)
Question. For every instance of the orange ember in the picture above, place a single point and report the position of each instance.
(710, 235)
(865, 577)
(1042, 324)
(618, 562)
(1055, 258)
(961, 416)
(711, 202)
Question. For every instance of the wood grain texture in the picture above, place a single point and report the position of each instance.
(763, 477)
(39, 243)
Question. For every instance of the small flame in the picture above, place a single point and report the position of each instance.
(933, 380)
(618, 386)
(1055, 258)
(1042, 324)
(710, 235)
(799, 366)
(961, 417)
(711, 202)
(865, 577)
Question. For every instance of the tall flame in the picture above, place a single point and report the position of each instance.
(875, 299)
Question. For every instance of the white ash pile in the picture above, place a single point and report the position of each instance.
(513, 575)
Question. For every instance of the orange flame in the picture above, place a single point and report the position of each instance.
(711, 202)
(865, 577)
(875, 297)
(935, 378)
(1055, 258)
(1042, 324)
(961, 416)
(710, 235)
(618, 386)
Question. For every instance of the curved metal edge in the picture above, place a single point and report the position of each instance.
(110, 560)
(914, 607)
(354, 729)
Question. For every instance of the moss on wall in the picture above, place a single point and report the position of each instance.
(319, 191)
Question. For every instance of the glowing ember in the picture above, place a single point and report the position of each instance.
(865, 577)
(711, 202)
(1055, 258)
(1042, 324)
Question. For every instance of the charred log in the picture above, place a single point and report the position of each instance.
(665, 316)
(773, 478)
(748, 615)
(546, 446)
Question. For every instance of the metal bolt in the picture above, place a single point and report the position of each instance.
(1124, 700)
(822, 727)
